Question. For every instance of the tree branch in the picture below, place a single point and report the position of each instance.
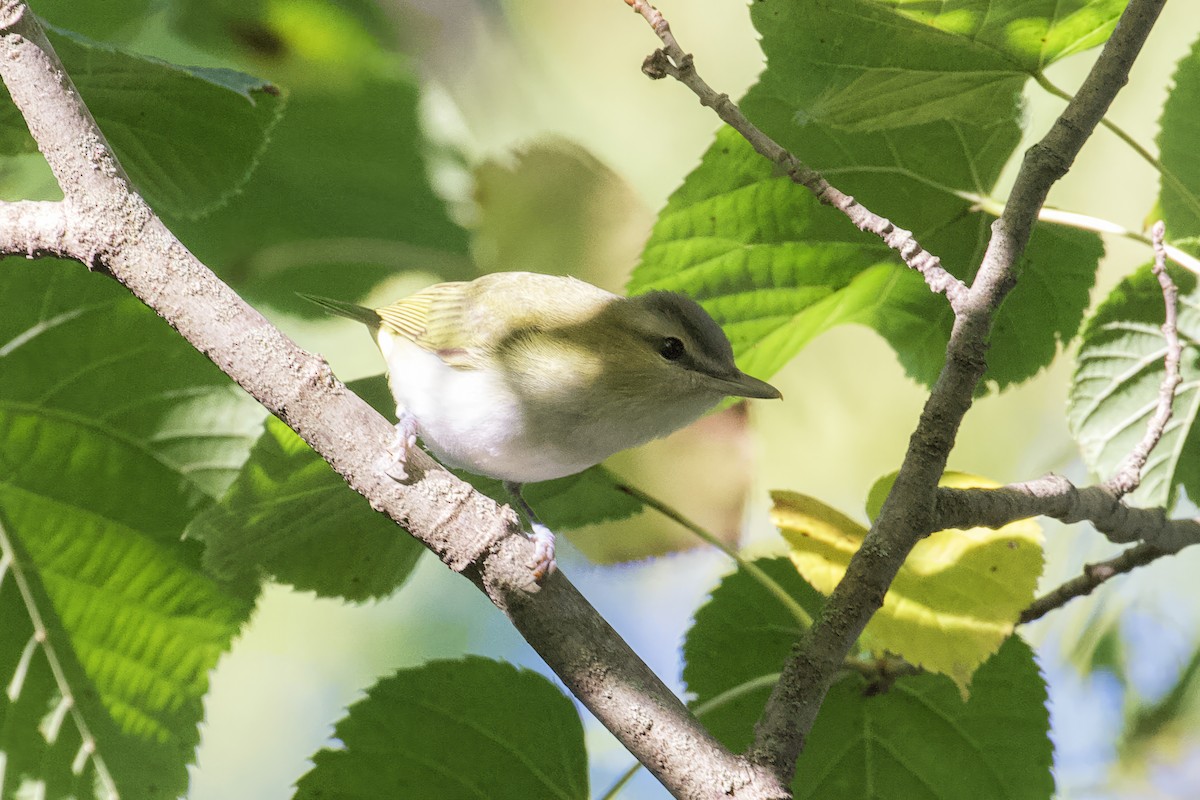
(673, 61)
(909, 513)
(1093, 575)
(103, 223)
(1056, 497)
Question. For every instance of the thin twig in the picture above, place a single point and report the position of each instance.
(1093, 575)
(674, 62)
(1128, 476)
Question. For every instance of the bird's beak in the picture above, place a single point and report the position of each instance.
(743, 385)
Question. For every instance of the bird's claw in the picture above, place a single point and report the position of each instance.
(543, 563)
(403, 441)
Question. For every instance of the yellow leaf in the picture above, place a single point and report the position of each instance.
(955, 600)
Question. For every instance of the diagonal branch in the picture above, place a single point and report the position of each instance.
(673, 61)
(909, 512)
(103, 223)
(1093, 575)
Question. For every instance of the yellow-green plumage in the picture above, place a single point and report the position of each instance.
(527, 377)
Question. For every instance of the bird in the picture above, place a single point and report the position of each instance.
(527, 377)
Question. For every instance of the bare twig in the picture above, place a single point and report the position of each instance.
(1056, 497)
(105, 224)
(673, 61)
(1093, 575)
(1128, 476)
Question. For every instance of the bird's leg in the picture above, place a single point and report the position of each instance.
(543, 538)
(404, 440)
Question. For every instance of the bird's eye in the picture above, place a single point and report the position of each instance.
(671, 348)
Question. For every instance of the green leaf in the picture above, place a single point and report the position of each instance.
(290, 516)
(455, 729)
(1179, 130)
(776, 269)
(1117, 377)
(908, 63)
(96, 20)
(736, 646)
(920, 740)
(187, 137)
(77, 349)
(113, 432)
(40, 734)
(914, 739)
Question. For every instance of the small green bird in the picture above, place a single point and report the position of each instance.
(526, 377)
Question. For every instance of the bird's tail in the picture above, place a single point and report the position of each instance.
(361, 314)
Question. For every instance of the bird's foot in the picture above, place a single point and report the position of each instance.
(403, 441)
(543, 563)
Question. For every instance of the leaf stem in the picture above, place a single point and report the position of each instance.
(625, 778)
(1167, 175)
(41, 638)
(1085, 222)
(752, 569)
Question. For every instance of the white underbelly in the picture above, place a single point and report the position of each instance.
(469, 418)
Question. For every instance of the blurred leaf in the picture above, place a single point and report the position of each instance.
(290, 516)
(188, 137)
(98, 19)
(455, 729)
(1147, 722)
(1115, 388)
(553, 207)
(343, 198)
(297, 42)
(1179, 130)
(917, 738)
(340, 201)
(113, 432)
(955, 600)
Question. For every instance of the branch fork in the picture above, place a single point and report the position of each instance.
(915, 506)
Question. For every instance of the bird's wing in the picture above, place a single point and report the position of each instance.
(435, 319)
